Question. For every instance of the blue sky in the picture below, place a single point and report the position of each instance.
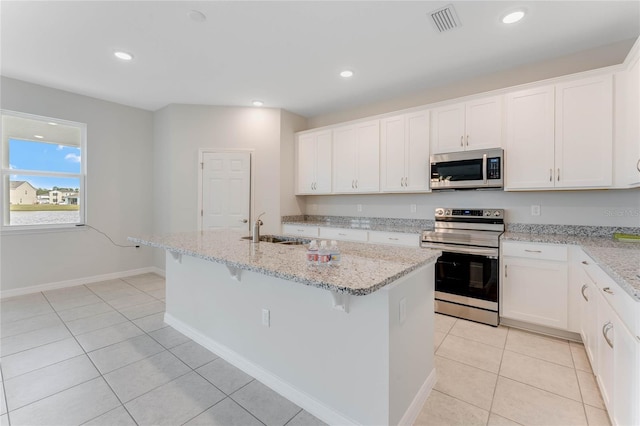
(43, 156)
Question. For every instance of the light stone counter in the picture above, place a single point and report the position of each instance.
(365, 268)
(620, 260)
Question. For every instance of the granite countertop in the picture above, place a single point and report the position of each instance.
(620, 260)
(364, 269)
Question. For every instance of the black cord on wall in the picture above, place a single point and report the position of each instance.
(109, 238)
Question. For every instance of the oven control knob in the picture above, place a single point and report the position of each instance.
(496, 213)
(487, 212)
(439, 212)
(447, 212)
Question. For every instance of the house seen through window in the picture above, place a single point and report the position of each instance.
(43, 172)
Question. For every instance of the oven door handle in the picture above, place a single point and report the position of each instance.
(491, 253)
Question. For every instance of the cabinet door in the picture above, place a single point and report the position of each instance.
(529, 153)
(447, 129)
(626, 371)
(589, 318)
(367, 156)
(633, 124)
(344, 176)
(323, 163)
(393, 157)
(584, 133)
(306, 164)
(535, 291)
(483, 121)
(605, 358)
(417, 151)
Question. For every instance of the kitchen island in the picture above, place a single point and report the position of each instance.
(351, 344)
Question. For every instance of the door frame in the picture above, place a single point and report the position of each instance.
(200, 165)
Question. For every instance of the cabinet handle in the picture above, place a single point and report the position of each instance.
(300, 230)
(505, 271)
(607, 290)
(461, 140)
(342, 235)
(352, 184)
(558, 175)
(584, 296)
(584, 262)
(550, 175)
(605, 329)
(638, 165)
(356, 183)
(393, 239)
(533, 251)
(467, 140)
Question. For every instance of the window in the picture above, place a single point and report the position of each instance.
(43, 172)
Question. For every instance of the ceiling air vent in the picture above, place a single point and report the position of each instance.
(445, 19)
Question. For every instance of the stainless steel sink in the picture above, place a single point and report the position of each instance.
(290, 241)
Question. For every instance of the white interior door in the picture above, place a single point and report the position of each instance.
(226, 190)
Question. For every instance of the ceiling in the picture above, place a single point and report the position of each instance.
(288, 54)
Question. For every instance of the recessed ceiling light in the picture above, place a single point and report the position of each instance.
(51, 123)
(346, 73)
(196, 16)
(125, 56)
(257, 103)
(513, 17)
(38, 136)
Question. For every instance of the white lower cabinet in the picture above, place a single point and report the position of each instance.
(608, 330)
(394, 238)
(535, 283)
(343, 234)
(300, 230)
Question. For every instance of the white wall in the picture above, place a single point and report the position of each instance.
(592, 208)
(181, 130)
(119, 185)
(289, 124)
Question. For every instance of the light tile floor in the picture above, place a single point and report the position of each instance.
(505, 376)
(100, 354)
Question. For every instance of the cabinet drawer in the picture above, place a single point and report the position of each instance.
(343, 234)
(535, 251)
(300, 230)
(621, 303)
(395, 238)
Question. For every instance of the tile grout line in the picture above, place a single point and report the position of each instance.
(94, 366)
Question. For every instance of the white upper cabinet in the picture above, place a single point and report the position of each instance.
(560, 137)
(627, 127)
(584, 133)
(529, 150)
(467, 126)
(313, 151)
(405, 153)
(356, 158)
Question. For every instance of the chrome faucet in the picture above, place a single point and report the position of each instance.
(255, 235)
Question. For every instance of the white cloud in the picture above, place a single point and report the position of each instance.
(60, 147)
(72, 157)
(12, 166)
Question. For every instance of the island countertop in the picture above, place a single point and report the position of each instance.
(364, 268)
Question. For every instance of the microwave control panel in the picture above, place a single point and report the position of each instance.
(493, 168)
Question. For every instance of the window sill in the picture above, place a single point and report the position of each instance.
(27, 230)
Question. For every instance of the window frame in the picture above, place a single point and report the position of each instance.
(6, 171)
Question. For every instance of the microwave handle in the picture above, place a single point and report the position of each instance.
(484, 168)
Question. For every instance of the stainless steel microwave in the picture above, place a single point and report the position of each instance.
(481, 169)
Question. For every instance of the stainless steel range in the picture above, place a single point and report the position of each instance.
(467, 272)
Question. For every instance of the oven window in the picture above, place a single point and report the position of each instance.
(467, 275)
(458, 170)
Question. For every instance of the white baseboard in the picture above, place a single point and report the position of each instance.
(78, 281)
(303, 400)
(412, 413)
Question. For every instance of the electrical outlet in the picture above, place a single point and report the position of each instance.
(359, 207)
(535, 210)
(266, 318)
(414, 208)
(402, 310)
